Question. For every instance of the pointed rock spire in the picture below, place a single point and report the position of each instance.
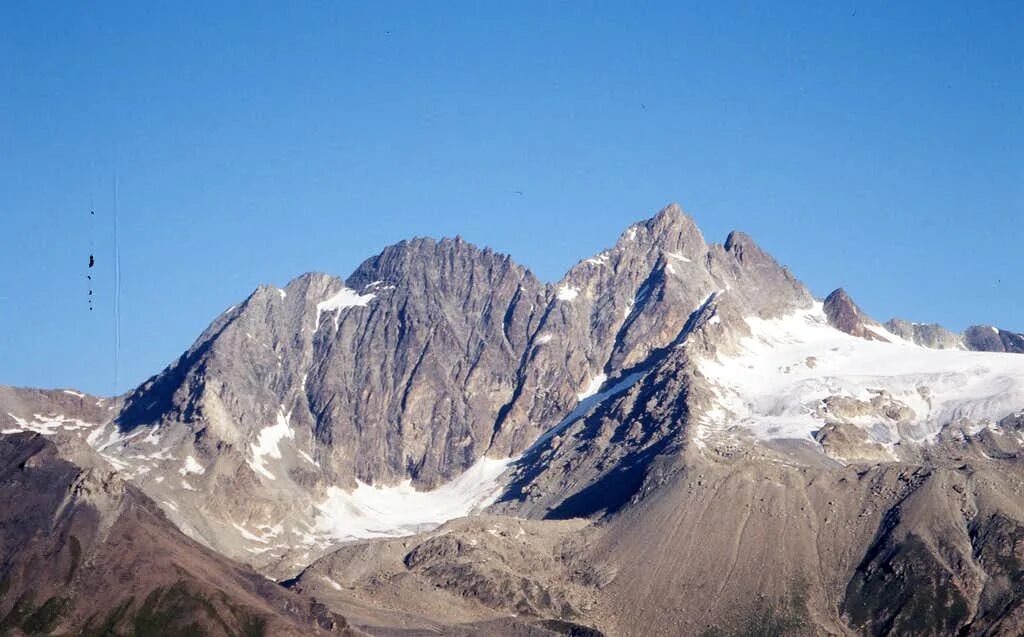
(844, 315)
(670, 229)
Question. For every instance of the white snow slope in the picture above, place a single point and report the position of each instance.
(774, 387)
(368, 512)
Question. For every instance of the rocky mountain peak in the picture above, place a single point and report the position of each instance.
(670, 230)
(841, 300)
(314, 282)
(930, 335)
(745, 250)
(844, 315)
(985, 338)
(411, 260)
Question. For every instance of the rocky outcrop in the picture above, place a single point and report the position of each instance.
(487, 575)
(982, 338)
(977, 338)
(83, 553)
(844, 315)
(400, 373)
(931, 335)
(435, 353)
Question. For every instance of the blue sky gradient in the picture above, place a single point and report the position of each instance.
(875, 146)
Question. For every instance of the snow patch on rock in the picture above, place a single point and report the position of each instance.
(308, 458)
(46, 425)
(336, 586)
(192, 466)
(593, 386)
(369, 511)
(267, 444)
(249, 535)
(567, 293)
(678, 257)
(342, 299)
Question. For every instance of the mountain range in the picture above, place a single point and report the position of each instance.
(676, 438)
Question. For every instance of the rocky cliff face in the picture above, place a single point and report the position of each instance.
(977, 338)
(400, 377)
(983, 338)
(930, 335)
(844, 315)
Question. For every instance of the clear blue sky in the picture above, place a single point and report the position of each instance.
(877, 146)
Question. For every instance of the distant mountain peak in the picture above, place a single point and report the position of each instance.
(670, 229)
(410, 258)
(844, 315)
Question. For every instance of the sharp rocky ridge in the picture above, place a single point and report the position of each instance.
(440, 379)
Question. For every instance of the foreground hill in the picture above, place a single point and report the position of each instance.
(85, 553)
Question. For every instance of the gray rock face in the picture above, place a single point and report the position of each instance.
(930, 335)
(977, 338)
(634, 436)
(400, 376)
(444, 352)
(412, 386)
(982, 338)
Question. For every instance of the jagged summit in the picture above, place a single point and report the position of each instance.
(743, 247)
(844, 315)
(448, 257)
(670, 229)
(671, 235)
